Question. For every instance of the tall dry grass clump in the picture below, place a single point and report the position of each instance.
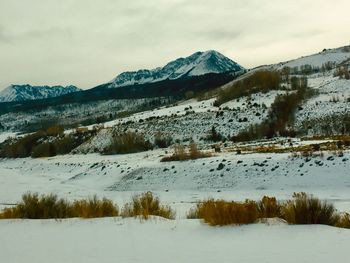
(183, 154)
(220, 212)
(50, 206)
(94, 207)
(269, 207)
(343, 221)
(129, 142)
(304, 209)
(146, 205)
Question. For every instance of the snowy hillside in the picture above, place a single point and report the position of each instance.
(199, 63)
(315, 160)
(225, 175)
(28, 92)
(336, 56)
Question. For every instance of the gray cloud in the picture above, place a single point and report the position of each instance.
(85, 43)
(4, 38)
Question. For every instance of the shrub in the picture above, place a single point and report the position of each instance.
(268, 207)
(34, 206)
(260, 81)
(21, 147)
(44, 150)
(342, 72)
(129, 142)
(281, 113)
(145, 205)
(214, 135)
(68, 143)
(181, 154)
(162, 141)
(304, 209)
(94, 207)
(343, 221)
(55, 130)
(220, 212)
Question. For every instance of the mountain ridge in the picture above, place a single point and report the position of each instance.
(197, 64)
(25, 92)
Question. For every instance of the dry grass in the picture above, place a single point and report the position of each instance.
(302, 209)
(94, 207)
(129, 142)
(146, 205)
(50, 206)
(183, 154)
(310, 150)
(343, 221)
(269, 207)
(220, 212)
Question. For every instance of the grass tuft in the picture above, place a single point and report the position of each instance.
(146, 205)
(304, 209)
(220, 212)
(269, 207)
(182, 154)
(50, 206)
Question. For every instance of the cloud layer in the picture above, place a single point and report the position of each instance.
(88, 42)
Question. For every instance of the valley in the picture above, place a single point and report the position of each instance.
(200, 128)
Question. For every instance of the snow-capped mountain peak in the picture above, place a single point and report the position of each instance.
(28, 92)
(197, 64)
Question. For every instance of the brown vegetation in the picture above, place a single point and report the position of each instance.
(146, 205)
(342, 72)
(129, 142)
(302, 209)
(220, 212)
(260, 81)
(182, 154)
(280, 115)
(162, 140)
(45, 143)
(34, 206)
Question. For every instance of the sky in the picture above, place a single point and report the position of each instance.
(88, 42)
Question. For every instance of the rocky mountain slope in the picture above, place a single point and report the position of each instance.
(199, 63)
(28, 92)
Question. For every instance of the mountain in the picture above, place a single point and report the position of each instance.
(18, 93)
(198, 64)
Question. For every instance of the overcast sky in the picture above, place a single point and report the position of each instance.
(88, 42)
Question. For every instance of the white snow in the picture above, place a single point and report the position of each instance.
(159, 241)
(337, 56)
(178, 183)
(5, 135)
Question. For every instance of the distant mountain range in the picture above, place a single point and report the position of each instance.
(26, 92)
(188, 71)
(198, 64)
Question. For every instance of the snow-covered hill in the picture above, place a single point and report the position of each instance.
(28, 92)
(335, 56)
(199, 63)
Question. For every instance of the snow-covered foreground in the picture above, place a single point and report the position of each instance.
(180, 185)
(158, 240)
